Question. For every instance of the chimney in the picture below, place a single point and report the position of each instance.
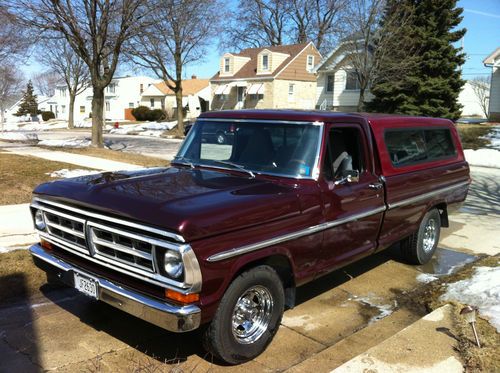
(193, 76)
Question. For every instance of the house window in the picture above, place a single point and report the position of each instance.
(152, 102)
(141, 88)
(111, 88)
(63, 109)
(130, 105)
(310, 63)
(265, 62)
(62, 92)
(352, 82)
(226, 65)
(291, 91)
(108, 106)
(330, 80)
(82, 109)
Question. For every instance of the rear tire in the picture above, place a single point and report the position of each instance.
(248, 316)
(420, 246)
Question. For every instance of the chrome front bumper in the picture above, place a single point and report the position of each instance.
(167, 316)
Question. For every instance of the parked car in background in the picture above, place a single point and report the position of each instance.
(224, 236)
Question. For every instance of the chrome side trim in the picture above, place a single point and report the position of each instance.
(174, 236)
(290, 236)
(165, 315)
(421, 197)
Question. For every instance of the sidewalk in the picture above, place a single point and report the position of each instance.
(425, 346)
(76, 159)
(16, 226)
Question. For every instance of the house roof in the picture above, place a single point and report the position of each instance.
(490, 60)
(189, 87)
(249, 69)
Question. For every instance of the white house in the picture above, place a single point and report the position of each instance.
(493, 61)
(121, 94)
(470, 102)
(337, 83)
(9, 113)
(195, 97)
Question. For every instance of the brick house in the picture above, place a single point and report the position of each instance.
(266, 78)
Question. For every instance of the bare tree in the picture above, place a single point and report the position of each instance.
(177, 34)
(317, 20)
(14, 39)
(45, 81)
(481, 87)
(68, 68)
(95, 29)
(11, 82)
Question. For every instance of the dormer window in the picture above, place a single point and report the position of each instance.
(310, 63)
(227, 66)
(265, 62)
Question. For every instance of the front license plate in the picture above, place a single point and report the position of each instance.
(86, 285)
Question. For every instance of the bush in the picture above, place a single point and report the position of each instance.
(157, 114)
(47, 115)
(141, 113)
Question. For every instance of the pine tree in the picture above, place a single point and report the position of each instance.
(29, 103)
(432, 86)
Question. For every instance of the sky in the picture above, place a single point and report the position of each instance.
(481, 18)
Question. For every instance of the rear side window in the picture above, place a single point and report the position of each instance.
(412, 146)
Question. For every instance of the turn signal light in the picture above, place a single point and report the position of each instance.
(182, 298)
(46, 245)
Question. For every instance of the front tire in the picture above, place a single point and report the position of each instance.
(420, 246)
(248, 316)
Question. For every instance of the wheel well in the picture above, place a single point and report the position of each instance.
(283, 268)
(443, 213)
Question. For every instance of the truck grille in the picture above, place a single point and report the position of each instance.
(126, 246)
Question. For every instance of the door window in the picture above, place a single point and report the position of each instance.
(344, 152)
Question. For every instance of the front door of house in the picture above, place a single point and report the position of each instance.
(240, 97)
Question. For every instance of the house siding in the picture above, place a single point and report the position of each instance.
(297, 69)
(304, 95)
(494, 106)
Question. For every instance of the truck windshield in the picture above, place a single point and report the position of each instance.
(275, 148)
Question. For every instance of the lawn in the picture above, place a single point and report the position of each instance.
(471, 135)
(20, 174)
(137, 159)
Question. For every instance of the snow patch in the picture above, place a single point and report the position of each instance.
(67, 143)
(371, 301)
(65, 173)
(303, 321)
(483, 157)
(482, 290)
(144, 129)
(18, 136)
(426, 278)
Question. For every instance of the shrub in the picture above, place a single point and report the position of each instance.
(156, 115)
(47, 115)
(141, 113)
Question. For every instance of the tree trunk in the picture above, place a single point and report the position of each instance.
(97, 117)
(180, 112)
(361, 101)
(71, 117)
(2, 116)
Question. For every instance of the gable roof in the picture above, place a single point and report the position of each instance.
(249, 69)
(189, 87)
(491, 59)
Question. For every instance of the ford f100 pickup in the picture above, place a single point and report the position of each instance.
(223, 237)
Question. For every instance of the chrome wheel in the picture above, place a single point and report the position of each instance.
(221, 139)
(252, 314)
(430, 234)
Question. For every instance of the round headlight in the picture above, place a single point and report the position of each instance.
(173, 265)
(40, 221)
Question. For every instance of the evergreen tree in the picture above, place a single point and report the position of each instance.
(29, 103)
(432, 86)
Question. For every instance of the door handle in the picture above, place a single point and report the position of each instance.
(375, 186)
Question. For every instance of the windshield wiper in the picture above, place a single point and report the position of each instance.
(184, 161)
(238, 166)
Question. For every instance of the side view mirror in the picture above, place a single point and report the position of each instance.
(348, 176)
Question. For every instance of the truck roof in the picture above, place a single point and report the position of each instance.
(374, 119)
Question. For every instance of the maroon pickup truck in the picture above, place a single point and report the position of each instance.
(223, 237)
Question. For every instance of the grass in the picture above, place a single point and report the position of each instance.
(19, 277)
(19, 175)
(484, 359)
(471, 135)
(114, 155)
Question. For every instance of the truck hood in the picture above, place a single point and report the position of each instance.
(193, 202)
